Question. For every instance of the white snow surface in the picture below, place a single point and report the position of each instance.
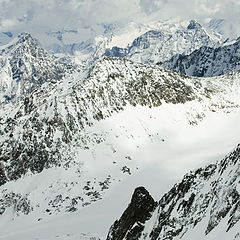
(138, 133)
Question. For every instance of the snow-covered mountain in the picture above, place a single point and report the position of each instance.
(204, 205)
(76, 134)
(207, 61)
(151, 42)
(161, 44)
(25, 66)
(53, 130)
(49, 128)
(55, 115)
(85, 43)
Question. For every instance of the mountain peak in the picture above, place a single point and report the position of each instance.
(28, 66)
(138, 212)
(194, 25)
(21, 44)
(27, 39)
(25, 36)
(159, 44)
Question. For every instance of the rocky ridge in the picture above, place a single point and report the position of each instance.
(207, 61)
(25, 66)
(207, 197)
(138, 212)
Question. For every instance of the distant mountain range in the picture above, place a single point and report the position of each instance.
(160, 45)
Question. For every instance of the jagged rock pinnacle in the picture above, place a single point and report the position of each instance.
(194, 25)
(25, 36)
(138, 212)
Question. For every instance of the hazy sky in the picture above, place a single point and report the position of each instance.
(55, 13)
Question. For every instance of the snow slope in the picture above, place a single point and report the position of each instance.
(158, 162)
(160, 165)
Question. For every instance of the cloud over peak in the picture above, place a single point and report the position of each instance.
(46, 15)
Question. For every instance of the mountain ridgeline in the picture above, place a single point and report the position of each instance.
(191, 51)
(54, 116)
(31, 138)
(157, 46)
(59, 102)
(207, 61)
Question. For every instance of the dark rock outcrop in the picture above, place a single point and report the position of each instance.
(3, 178)
(131, 223)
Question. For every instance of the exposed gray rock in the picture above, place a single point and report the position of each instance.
(207, 61)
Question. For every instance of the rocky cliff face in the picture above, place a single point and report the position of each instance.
(207, 61)
(208, 197)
